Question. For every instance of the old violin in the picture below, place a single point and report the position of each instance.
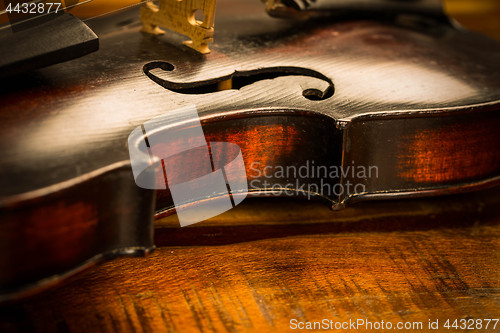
(407, 93)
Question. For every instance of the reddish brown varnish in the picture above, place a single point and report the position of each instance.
(52, 237)
(261, 146)
(456, 152)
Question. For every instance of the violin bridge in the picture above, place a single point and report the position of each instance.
(184, 17)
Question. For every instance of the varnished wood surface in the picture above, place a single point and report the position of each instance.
(92, 103)
(258, 266)
(64, 129)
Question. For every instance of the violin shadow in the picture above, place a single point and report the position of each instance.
(269, 218)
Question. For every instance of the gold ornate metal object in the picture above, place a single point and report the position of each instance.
(182, 16)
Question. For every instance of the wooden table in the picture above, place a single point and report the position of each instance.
(270, 261)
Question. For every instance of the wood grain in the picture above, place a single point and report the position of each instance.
(268, 261)
(179, 16)
(419, 260)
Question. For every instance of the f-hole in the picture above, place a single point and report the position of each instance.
(237, 80)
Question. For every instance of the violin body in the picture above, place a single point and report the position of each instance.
(417, 98)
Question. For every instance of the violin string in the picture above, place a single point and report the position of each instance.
(116, 10)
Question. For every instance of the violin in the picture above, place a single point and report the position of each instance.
(366, 106)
